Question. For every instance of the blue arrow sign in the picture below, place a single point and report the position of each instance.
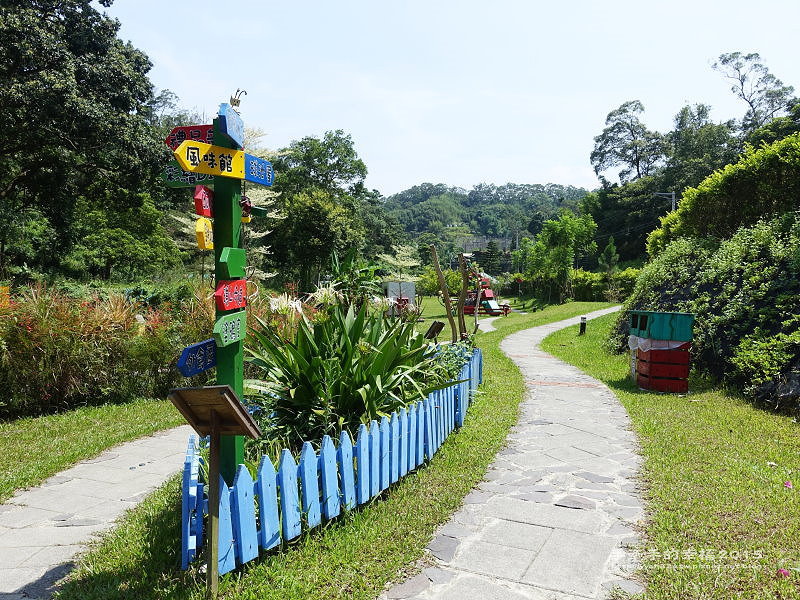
(231, 124)
(258, 170)
(198, 357)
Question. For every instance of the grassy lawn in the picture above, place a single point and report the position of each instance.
(352, 557)
(721, 520)
(35, 449)
(433, 310)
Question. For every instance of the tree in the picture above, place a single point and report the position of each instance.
(75, 105)
(313, 228)
(330, 164)
(491, 261)
(778, 128)
(697, 147)
(608, 259)
(627, 143)
(764, 94)
(400, 263)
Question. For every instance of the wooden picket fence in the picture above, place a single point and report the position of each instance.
(259, 514)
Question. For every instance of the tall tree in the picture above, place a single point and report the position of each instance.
(765, 95)
(697, 147)
(75, 103)
(491, 261)
(626, 143)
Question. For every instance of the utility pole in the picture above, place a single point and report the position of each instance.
(670, 195)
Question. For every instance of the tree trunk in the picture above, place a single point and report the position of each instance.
(462, 296)
(445, 293)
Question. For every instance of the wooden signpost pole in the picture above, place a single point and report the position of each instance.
(212, 574)
(230, 358)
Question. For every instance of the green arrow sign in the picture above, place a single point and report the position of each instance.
(231, 263)
(230, 328)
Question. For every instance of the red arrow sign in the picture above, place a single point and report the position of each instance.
(231, 294)
(196, 133)
(204, 201)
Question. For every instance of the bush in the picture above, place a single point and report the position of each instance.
(337, 373)
(595, 287)
(763, 184)
(741, 291)
(58, 352)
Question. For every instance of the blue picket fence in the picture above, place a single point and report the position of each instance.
(281, 503)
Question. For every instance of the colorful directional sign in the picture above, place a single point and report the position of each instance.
(231, 263)
(197, 133)
(204, 230)
(198, 157)
(231, 124)
(198, 357)
(204, 201)
(258, 170)
(175, 177)
(230, 328)
(231, 294)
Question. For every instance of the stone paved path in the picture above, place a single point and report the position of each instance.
(43, 528)
(555, 515)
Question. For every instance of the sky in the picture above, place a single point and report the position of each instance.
(457, 91)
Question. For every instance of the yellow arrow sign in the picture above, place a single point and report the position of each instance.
(199, 157)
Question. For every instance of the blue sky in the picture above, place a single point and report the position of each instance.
(458, 92)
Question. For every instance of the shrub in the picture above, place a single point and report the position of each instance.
(58, 352)
(764, 183)
(597, 287)
(336, 374)
(742, 291)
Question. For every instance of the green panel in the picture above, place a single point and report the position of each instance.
(175, 177)
(230, 328)
(654, 325)
(258, 211)
(232, 262)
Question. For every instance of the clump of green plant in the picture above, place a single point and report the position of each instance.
(59, 352)
(741, 290)
(339, 372)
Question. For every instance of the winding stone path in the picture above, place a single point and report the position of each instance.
(555, 515)
(43, 528)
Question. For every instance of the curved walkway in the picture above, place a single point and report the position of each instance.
(555, 515)
(43, 528)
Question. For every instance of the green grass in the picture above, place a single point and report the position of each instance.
(34, 449)
(353, 557)
(433, 310)
(709, 483)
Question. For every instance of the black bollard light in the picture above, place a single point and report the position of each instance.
(582, 329)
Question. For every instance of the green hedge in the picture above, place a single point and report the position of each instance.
(764, 183)
(745, 293)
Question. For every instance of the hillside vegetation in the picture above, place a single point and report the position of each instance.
(731, 255)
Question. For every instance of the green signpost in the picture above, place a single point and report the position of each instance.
(229, 259)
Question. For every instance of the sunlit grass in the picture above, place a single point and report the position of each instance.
(34, 449)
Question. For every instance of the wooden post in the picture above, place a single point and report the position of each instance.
(212, 552)
(462, 296)
(230, 358)
(445, 293)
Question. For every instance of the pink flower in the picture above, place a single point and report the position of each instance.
(788, 484)
(783, 573)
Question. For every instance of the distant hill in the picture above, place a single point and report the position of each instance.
(505, 211)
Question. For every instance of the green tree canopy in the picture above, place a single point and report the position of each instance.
(75, 103)
(627, 144)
